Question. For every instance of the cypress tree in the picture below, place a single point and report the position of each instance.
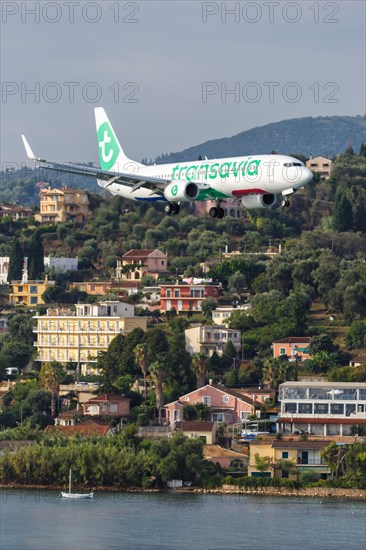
(35, 258)
(16, 261)
(343, 216)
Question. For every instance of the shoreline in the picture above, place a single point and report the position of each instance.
(314, 492)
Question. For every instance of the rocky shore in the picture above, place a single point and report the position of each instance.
(316, 492)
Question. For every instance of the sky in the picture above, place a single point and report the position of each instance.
(171, 74)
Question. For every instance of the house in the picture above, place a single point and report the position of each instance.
(320, 165)
(321, 408)
(305, 455)
(225, 404)
(108, 404)
(294, 347)
(222, 314)
(62, 264)
(68, 418)
(136, 264)
(100, 288)
(78, 336)
(208, 339)
(207, 431)
(29, 293)
(15, 211)
(186, 297)
(225, 457)
(85, 429)
(63, 205)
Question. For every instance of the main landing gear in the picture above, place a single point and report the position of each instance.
(217, 212)
(285, 203)
(172, 208)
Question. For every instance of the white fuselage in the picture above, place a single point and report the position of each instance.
(229, 177)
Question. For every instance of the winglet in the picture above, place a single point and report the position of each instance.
(28, 149)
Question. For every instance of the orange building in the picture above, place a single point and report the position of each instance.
(186, 297)
(294, 348)
(63, 205)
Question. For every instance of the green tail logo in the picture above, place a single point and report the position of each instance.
(108, 147)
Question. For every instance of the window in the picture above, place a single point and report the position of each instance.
(168, 293)
(350, 408)
(336, 408)
(284, 454)
(217, 417)
(206, 400)
(33, 300)
(290, 407)
(282, 351)
(176, 293)
(33, 289)
(321, 408)
(113, 407)
(305, 408)
(226, 399)
(20, 289)
(228, 418)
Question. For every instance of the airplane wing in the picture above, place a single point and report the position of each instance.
(130, 179)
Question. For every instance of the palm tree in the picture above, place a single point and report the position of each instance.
(200, 364)
(158, 372)
(141, 359)
(49, 379)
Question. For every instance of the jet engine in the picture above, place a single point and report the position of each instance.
(181, 191)
(258, 201)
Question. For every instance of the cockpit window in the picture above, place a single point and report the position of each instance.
(289, 164)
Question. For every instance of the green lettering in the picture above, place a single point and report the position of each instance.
(222, 167)
(181, 171)
(174, 170)
(194, 168)
(253, 171)
(243, 168)
(213, 171)
(236, 169)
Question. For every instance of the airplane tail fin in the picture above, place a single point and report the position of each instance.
(111, 154)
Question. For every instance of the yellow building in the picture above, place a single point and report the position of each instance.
(78, 336)
(320, 165)
(305, 455)
(63, 205)
(28, 293)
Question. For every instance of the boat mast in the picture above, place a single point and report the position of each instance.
(70, 481)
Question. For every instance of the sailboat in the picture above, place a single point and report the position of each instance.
(65, 494)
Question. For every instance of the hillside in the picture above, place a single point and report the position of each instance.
(328, 136)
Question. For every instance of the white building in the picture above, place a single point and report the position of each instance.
(209, 339)
(61, 265)
(221, 314)
(321, 408)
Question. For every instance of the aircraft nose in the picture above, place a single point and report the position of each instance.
(306, 175)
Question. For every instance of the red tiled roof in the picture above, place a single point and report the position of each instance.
(236, 393)
(195, 426)
(107, 397)
(136, 253)
(311, 420)
(89, 429)
(294, 340)
(70, 414)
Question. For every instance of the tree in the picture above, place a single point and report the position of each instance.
(343, 217)
(15, 354)
(16, 261)
(274, 372)
(200, 364)
(35, 257)
(262, 463)
(207, 306)
(156, 343)
(49, 377)
(141, 360)
(158, 372)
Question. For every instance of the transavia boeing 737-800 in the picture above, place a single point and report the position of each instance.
(256, 180)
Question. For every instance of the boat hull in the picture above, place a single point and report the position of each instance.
(76, 495)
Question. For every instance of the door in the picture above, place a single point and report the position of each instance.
(305, 457)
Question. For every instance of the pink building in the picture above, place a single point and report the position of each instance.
(136, 264)
(108, 404)
(294, 347)
(225, 404)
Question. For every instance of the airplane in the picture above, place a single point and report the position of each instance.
(256, 180)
